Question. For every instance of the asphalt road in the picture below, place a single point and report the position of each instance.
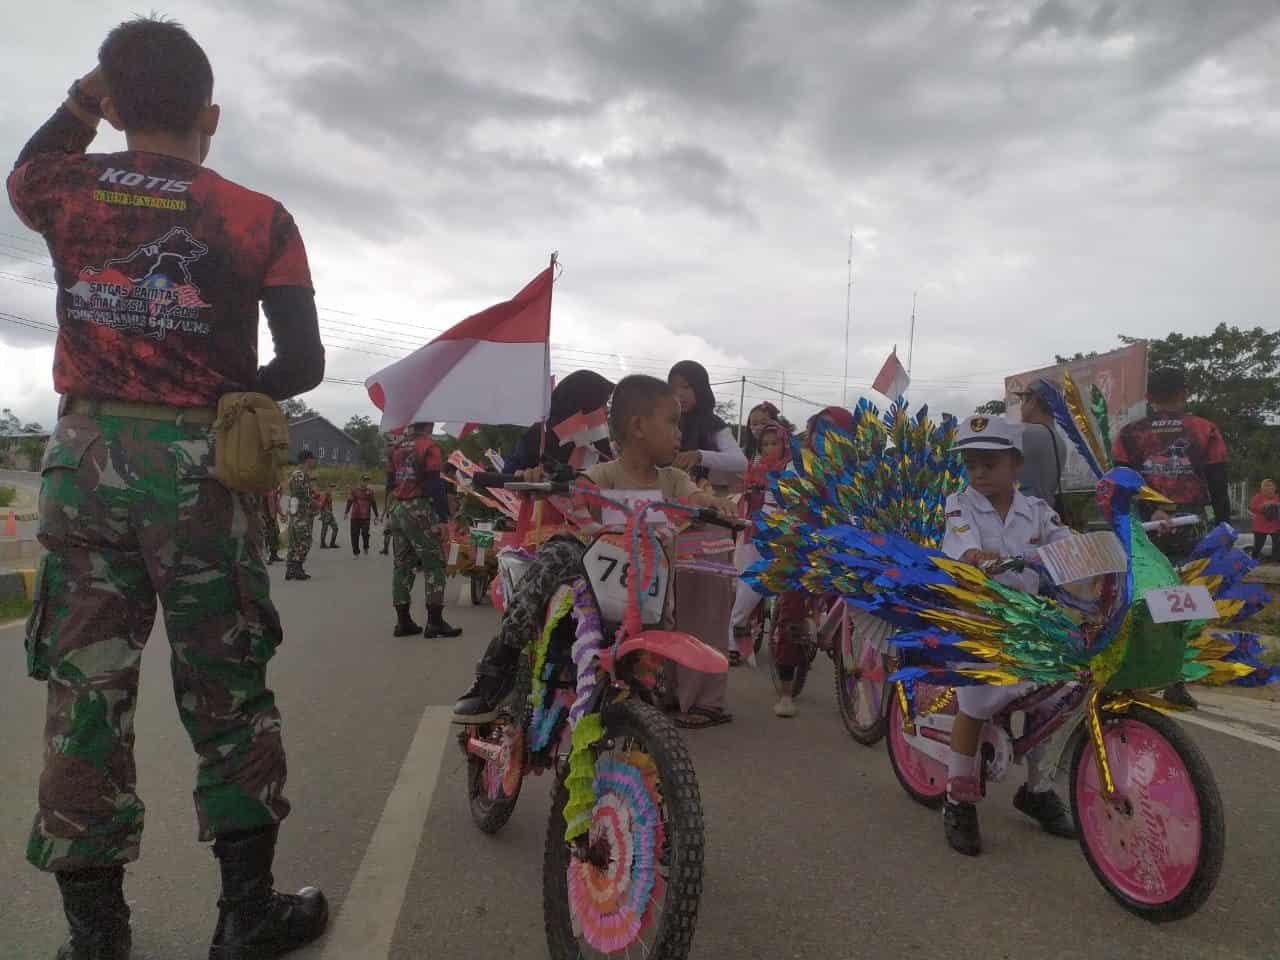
(813, 850)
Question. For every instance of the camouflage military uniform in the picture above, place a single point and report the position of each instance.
(417, 543)
(301, 522)
(129, 512)
(328, 523)
(271, 525)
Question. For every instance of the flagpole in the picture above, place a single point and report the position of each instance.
(911, 343)
(546, 405)
(848, 309)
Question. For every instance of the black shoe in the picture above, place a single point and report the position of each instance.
(275, 558)
(254, 921)
(98, 917)
(960, 824)
(436, 625)
(299, 573)
(405, 627)
(1046, 807)
(1179, 697)
(291, 571)
(481, 701)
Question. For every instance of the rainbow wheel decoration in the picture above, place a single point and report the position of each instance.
(612, 905)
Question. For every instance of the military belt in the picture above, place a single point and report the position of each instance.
(138, 411)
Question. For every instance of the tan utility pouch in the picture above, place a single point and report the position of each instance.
(251, 442)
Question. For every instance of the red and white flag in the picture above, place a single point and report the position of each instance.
(493, 367)
(584, 431)
(892, 380)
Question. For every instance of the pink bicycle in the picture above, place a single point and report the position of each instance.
(622, 867)
(1143, 796)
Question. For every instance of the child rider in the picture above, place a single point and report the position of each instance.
(990, 520)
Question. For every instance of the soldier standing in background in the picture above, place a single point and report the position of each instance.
(421, 519)
(271, 524)
(360, 503)
(388, 501)
(328, 524)
(145, 241)
(301, 516)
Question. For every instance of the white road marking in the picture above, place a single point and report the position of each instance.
(1231, 730)
(364, 927)
(13, 624)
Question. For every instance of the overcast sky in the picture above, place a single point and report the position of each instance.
(1045, 175)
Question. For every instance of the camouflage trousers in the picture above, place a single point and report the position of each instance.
(130, 515)
(300, 526)
(416, 543)
(327, 524)
(270, 534)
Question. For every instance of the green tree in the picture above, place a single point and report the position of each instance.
(992, 408)
(365, 432)
(295, 408)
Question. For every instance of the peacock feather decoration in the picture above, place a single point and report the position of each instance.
(863, 517)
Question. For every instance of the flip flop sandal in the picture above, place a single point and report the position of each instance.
(692, 721)
(716, 717)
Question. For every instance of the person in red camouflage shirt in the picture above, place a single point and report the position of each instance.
(1183, 457)
(160, 265)
(361, 502)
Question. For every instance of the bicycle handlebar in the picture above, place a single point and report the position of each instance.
(1186, 520)
(508, 481)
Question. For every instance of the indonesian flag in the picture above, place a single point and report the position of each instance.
(583, 430)
(493, 367)
(892, 380)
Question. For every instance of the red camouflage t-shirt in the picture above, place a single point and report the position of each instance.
(1171, 451)
(160, 265)
(411, 459)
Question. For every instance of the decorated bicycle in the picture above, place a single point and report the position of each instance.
(889, 472)
(1148, 810)
(622, 871)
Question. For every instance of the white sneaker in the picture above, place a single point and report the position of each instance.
(784, 707)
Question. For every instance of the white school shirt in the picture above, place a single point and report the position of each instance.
(973, 524)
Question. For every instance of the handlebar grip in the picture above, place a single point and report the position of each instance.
(487, 478)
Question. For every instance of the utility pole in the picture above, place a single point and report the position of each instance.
(848, 312)
(742, 401)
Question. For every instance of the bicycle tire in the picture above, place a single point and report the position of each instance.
(1093, 835)
(850, 695)
(488, 813)
(678, 782)
(924, 779)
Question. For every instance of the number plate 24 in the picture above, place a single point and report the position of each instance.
(1172, 604)
(609, 569)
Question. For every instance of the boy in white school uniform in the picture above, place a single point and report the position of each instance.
(990, 520)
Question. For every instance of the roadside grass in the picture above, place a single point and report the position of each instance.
(14, 608)
(8, 495)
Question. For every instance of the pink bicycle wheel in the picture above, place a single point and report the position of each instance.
(1158, 846)
(923, 777)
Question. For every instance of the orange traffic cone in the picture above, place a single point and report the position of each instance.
(11, 525)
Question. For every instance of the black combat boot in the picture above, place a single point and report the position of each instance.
(291, 570)
(300, 573)
(275, 557)
(405, 627)
(255, 922)
(436, 625)
(93, 900)
(481, 701)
